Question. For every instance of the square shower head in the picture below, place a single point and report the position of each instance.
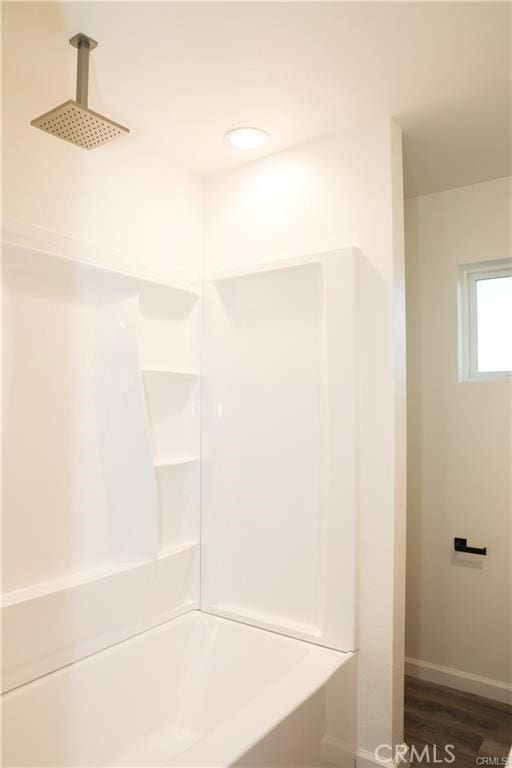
(79, 125)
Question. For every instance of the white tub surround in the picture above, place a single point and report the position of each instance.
(130, 416)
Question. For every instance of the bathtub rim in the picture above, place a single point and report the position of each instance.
(222, 745)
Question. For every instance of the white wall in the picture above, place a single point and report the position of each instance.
(458, 612)
(122, 196)
(329, 194)
(146, 215)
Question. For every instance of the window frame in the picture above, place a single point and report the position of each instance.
(468, 275)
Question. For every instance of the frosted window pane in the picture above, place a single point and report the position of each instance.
(494, 324)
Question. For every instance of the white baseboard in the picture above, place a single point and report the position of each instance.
(367, 759)
(461, 681)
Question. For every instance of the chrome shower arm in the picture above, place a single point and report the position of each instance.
(84, 46)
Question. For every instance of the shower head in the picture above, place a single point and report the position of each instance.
(73, 121)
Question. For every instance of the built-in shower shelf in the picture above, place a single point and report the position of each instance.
(66, 582)
(89, 611)
(176, 549)
(86, 576)
(175, 462)
(169, 372)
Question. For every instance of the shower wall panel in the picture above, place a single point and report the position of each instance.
(279, 447)
(100, 524)
(71, 373)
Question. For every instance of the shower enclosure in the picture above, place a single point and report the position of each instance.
(180, 514)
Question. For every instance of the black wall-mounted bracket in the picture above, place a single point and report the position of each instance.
(461, 545)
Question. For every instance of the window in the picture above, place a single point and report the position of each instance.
(485, 320)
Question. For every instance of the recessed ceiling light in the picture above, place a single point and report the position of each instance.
(246, 138)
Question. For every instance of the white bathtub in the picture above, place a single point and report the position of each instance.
(196, 691)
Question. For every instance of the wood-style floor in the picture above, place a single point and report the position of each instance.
(440, 716)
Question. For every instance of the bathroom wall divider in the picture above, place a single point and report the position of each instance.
(157, 462)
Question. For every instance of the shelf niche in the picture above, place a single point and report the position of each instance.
(178, 495)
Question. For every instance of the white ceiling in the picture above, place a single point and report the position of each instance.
(181, 74)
